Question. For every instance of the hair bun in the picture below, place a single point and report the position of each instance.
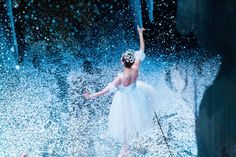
(128, 57)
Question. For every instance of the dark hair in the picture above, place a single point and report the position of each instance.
(128, 59)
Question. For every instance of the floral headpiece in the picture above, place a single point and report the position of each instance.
(128, 57)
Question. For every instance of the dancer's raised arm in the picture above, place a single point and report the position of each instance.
(139, 55)
(110, 87)
(141, 39)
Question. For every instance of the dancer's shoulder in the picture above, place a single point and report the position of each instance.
(120, 74)
(139, 55)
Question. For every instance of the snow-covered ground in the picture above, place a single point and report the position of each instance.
(44, 114)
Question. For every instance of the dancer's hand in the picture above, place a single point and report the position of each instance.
(140, 33)
(140, 30)
(87, 95)
(23, 155)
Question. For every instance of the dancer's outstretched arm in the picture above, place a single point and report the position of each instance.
(141, 39)
(142, 47)
(115, 83)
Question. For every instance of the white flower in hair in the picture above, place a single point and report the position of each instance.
(129, 57)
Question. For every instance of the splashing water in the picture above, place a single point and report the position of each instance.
(43, 112)
(137, 11)
(150, 9)
(12, 26)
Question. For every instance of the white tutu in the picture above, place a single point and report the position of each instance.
(132, 111)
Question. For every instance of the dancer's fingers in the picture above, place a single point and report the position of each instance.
(86, 94)
(140, 29)
(86, 91)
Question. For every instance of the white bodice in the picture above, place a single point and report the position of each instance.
(128, 88)
(138, 55)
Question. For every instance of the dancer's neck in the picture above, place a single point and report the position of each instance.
(126, 69)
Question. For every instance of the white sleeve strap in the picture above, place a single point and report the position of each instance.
(111, 87)
(139, 55)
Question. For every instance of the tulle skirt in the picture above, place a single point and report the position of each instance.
(131, 112)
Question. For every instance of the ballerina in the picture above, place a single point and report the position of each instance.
(131, 111)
